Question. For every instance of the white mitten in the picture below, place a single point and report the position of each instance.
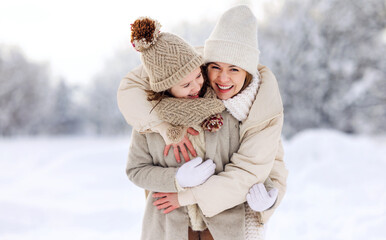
(259, 199)
(195, 172)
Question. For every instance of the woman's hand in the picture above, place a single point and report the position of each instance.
(195, 172)
(181, 146)
(259, 199)
(167, 201)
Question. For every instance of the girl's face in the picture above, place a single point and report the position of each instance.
(190, 86)
(226, 79)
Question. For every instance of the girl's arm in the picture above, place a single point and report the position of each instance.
(141, 170)
(133, 104)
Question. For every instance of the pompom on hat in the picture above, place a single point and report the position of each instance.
(234, 40)
(166, 57)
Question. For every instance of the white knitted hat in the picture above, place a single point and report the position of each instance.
(234, 40)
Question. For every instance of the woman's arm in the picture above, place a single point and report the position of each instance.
(133, 104)
(278, 178)
(251, 164)
(257, 156)
(132, 101)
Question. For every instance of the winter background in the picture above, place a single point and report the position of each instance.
(64, 143)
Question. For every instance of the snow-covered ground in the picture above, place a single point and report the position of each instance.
(76, 188)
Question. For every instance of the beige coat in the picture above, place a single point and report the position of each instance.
(149, 169)
(260, 154)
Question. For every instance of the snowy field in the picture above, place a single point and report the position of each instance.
(76, 188)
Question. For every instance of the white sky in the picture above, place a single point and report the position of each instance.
(76, 36)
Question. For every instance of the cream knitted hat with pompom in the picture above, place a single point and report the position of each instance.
(234, 40)
(166, 57)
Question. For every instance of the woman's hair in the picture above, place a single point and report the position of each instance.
(248, 80)
(204, 70)
(158, 96)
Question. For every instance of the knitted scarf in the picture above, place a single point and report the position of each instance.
(188, 112)
(240, 104)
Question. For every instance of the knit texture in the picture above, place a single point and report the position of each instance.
(188, 112)
(253, 229)
(196, 221)
(195, 214)
(168, 61)
(166, 57)
(176, 133)
(240, 104)
(234, 40)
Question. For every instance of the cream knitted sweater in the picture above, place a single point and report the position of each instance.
(240, 104)
(194, 212)
(239, 107)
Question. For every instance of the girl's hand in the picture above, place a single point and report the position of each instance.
(181, 146)
(167, 201)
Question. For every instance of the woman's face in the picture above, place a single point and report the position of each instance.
(226, 79)
(190, 86)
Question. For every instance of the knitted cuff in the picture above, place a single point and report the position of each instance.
(176, 133)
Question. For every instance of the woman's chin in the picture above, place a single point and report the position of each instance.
(224, 95)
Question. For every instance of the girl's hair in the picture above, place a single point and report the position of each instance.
(158, 96)
(248, 77)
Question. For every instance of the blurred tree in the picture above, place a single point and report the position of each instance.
(329, 59)
(194, 33)
(101, 108)
(24, 93)
(65, 114)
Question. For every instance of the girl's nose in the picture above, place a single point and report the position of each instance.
(196, 86)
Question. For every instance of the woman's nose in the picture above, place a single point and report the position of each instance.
(223, 76)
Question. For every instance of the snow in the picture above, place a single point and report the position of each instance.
(67, 188)
(76, 187)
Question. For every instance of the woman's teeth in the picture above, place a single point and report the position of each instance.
(224, 87)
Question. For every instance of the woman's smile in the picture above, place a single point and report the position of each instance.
(224, 88)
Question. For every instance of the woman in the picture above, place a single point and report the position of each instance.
(175, 80)
(261, 128)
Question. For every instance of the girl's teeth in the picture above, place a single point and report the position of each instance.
(224, 87)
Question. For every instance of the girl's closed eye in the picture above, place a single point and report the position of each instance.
(199, 75)
(186, 85)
